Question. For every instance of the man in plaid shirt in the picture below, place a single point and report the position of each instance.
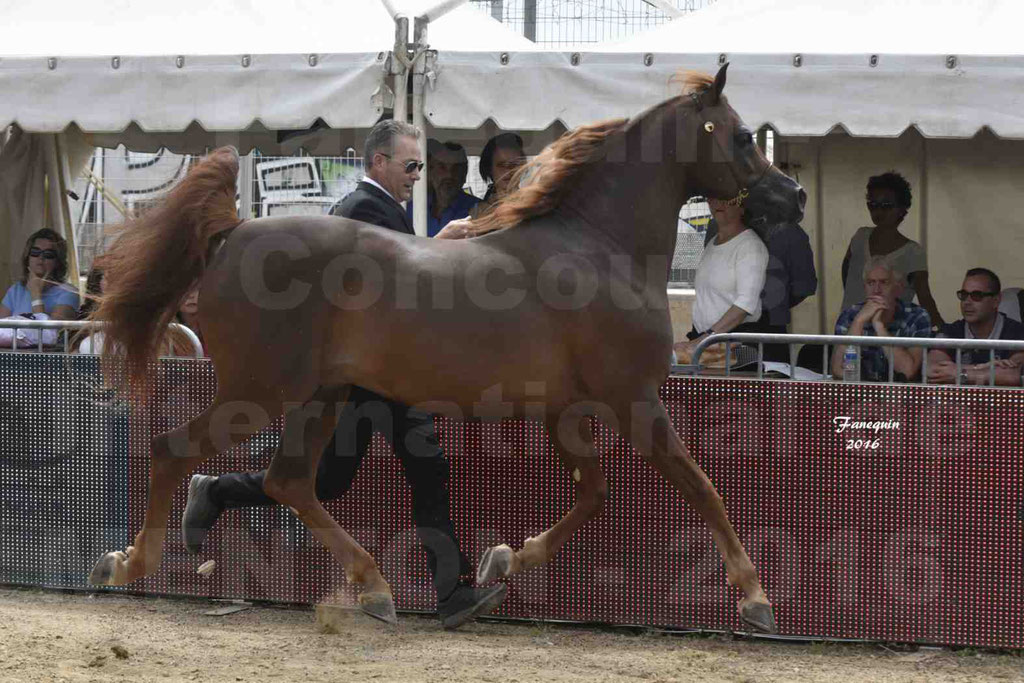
(883, 315)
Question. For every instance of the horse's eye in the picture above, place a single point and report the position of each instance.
(745, 138)
(709, 127)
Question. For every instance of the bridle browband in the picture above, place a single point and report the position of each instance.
(698, 107)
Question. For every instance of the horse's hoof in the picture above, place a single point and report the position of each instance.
(110, 570)
(496, 563)
(379, 606)
(758, 615)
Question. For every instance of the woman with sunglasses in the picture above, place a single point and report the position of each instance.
(42, 288)
(888, 201)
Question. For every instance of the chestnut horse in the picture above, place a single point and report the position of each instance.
(561, 316)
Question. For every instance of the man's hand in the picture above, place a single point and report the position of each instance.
(455, 230)
(872, 307)
(942, 372)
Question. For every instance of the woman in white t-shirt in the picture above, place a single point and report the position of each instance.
(730, 277)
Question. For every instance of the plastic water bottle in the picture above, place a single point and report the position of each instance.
(851, 365)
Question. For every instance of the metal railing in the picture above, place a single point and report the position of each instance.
(75, 325)
(827, 340)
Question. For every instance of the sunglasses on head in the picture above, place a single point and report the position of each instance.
(881, 205)
(410, 166)
(45, 253)
(963, 295)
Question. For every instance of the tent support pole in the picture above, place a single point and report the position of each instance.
(419, 190)
(400, 68)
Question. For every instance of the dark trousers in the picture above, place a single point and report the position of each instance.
(414, 438)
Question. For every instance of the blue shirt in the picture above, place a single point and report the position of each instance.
(910, 320)
(459, 208)
(19, 300)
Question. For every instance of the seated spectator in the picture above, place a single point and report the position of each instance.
(175, 344)
(729, 279)
(790, 278)
(888, 201)
(501, 157)
(979, 303)
(883, 314)
(447, 168)
(42, 288)
(187, 315)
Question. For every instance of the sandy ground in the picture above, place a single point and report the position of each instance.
(51, 636)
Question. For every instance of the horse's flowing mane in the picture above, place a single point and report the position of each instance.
(544, 181)
(157, 258)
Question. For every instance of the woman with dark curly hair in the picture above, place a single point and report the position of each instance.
(42, 288)
(888, 201)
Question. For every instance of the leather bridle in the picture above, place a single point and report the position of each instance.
(744, 192)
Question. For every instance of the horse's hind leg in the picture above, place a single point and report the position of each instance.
(175, 454)
(650, 431)
(291, 480)
(574, 443)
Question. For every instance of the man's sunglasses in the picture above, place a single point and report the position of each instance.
(963, 295)
(410, 166)
(45, 253)
(881, 205)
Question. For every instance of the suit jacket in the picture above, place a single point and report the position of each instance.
(369, 204)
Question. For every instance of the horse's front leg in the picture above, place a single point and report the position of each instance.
(650, 431)
(291, 480)
(574, 442)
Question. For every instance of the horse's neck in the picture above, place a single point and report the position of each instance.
(635, 204)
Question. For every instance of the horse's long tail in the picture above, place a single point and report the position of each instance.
(156, 260)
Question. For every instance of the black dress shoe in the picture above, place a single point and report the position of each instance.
(201, 513)
(468, 603)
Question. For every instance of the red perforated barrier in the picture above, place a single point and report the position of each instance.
(904, 530)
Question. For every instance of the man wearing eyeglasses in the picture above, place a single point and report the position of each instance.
(393, 165)
(979, 303)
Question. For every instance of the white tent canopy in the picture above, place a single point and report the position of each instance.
(189, 75)
(804, 67)
(209, 67)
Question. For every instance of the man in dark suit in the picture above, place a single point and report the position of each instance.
(393, 165)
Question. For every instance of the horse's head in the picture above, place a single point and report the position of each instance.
(730, 165)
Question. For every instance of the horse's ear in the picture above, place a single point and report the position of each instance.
(720, 81)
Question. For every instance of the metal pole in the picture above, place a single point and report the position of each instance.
(400, 69)
(440, 9)
(530, 20)
(498, 10)
(419, 119)
(245, 180)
